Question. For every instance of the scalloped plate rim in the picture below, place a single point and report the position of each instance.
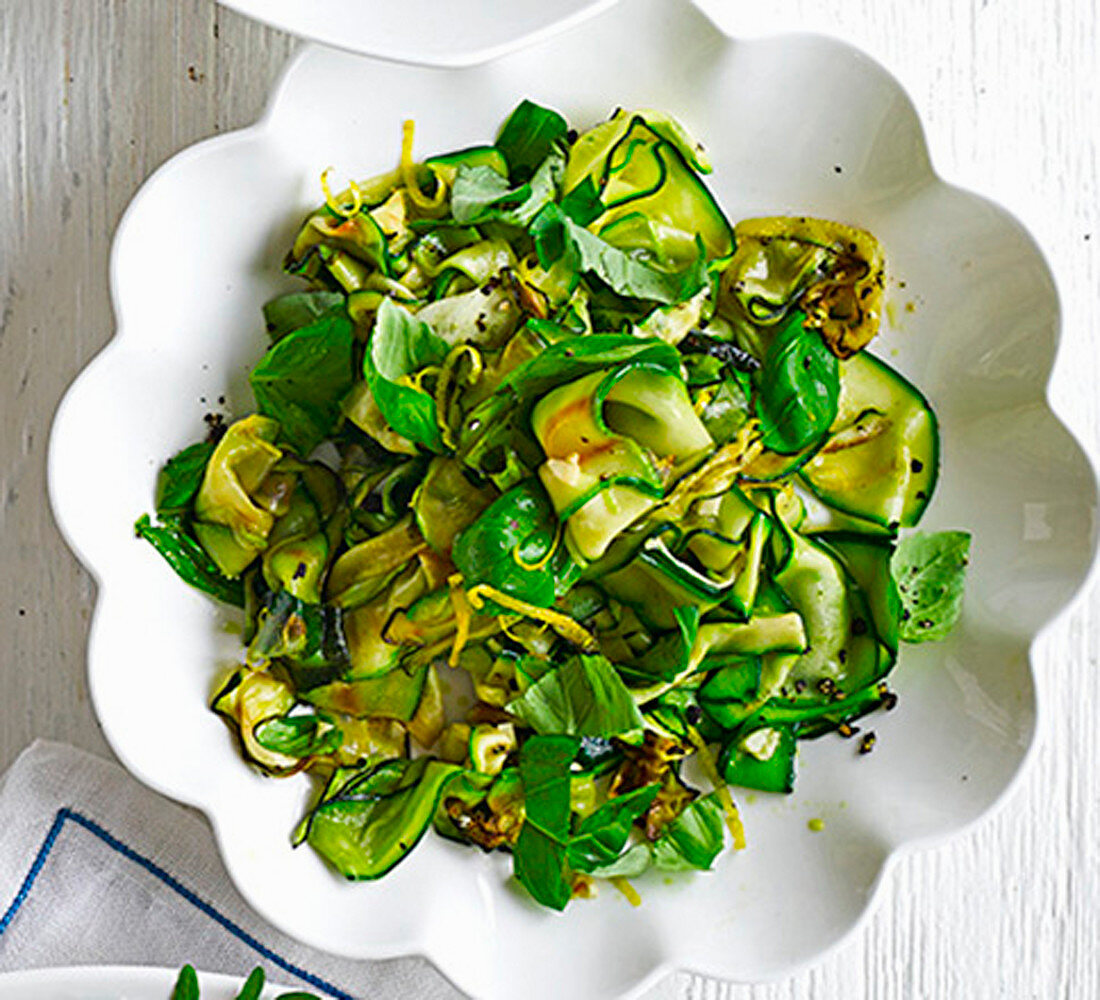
(896, 852)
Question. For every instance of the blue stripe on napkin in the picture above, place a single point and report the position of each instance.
(65, 816)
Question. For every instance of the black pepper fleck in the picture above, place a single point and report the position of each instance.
(859, 626)
(916, 465)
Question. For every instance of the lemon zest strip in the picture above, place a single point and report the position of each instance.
(710, 769)
(345, 212)
(562, 624)
(627, 890)
(462, 618)
(408, 172)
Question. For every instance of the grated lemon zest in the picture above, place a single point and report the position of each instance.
(462, 619)
(333, 205)
(627, 890)
(562, 624)
(710, 769)
(408, 172)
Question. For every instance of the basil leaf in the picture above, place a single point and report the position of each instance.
(694, 839)
(631, 863)
(797, 388)
(600, 838)
(671, 653)
(302, 379)
(368, 821)
(480, 194)
(540, 854)
(399, 346)
(291, 312)
(297, 736)
(508, 545)
(187, 984)
(559, 237)
(189, 559)
(930, 571)
(181, 478)
(582, 697)
(528, 136)
(253, 985)
(582, 204)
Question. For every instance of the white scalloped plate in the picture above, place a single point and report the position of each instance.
(426, 32)
(108, 982)
(975, 326)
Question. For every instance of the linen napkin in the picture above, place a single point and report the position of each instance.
(97, 869)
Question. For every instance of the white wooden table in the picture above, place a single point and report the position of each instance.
(94, 94)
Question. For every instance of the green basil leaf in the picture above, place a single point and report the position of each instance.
(540, 856)
(528, 137)
(480, 194)
(187, 984)
(582, 697)
(694, 839)
(400, 345)
(508, 545)
(631, 863)
(930, 571)
(181, 478)
(303, 378)
(583, 204)
(559, 237)
(291, 312)
(368, 821)
(670, 654)
(600, 838)
(189, 559)
(253, 985)
(797, 388)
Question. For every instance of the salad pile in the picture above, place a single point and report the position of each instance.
(547, 432)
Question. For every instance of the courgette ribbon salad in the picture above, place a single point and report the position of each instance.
(546, 421)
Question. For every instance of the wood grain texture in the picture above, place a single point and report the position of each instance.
(95, 94)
